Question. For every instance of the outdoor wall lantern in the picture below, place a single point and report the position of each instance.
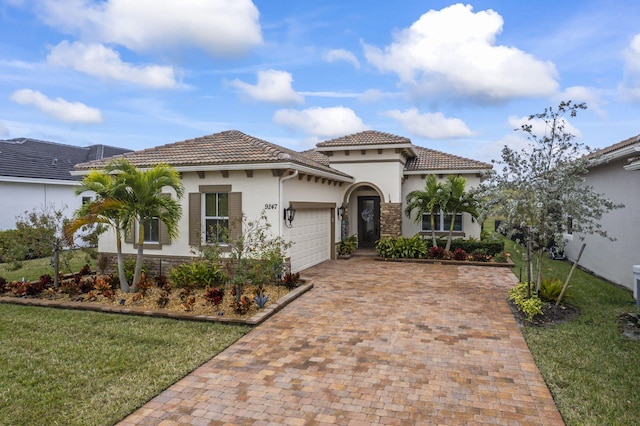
(289, 215)
(341, 211)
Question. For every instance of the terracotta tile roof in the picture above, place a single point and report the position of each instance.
(368, 137)
(625, 143)
(229, 147)
(429, 159)
(35, 159)
(316, 156)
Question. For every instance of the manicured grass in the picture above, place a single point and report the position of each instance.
(87, 368)
(592, 371)
(31, 270)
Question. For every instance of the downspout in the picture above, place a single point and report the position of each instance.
(281, 196)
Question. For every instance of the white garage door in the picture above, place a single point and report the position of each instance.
(311, 235)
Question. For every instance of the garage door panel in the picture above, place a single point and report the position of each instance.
(311, 237)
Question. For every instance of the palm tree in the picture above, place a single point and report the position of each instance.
(457, 200)
(106, 209)
(426, 201)
(144, 202)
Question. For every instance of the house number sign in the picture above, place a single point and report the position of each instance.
(270, 206)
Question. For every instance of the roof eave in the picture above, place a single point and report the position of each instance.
(447, 171)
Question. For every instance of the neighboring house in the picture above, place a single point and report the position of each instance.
(616, 175)
(34, 174)
(353, 184)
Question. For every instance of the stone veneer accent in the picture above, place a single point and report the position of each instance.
(160, 265)
(390, 220)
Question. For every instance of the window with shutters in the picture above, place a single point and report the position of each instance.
(152, 230)
(215, 216)
(441, 221)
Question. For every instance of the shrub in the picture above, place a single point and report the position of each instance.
(3, 284)
(214, 296)
(46, 281)
(402, 247)
(196, 274)
(70, 287)
(550, 289)
(130, 268)
(530, 306)
(163, 299)
(241, 305)
(86, 270)
(25, 288)
(459, 254)
(290, 281)
(102, 262)
(437, 252)
(490, 247)
(386, 248)
(348, 245)
(480, 255)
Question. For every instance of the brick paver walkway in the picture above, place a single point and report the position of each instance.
(373, 343)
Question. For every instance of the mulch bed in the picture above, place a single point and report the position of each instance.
(552, 315)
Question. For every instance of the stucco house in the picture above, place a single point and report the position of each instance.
(36, 173)
(352, 184)
(615, 173)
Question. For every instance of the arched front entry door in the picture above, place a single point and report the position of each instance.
(368, 220)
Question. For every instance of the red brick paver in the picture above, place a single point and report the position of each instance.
(373, 343)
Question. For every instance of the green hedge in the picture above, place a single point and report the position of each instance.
(418, 247)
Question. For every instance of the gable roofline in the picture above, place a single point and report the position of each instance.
(626, 148)
(228, 150)
(369, 139)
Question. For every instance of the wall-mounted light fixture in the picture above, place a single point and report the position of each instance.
(341, 210)
(289, 215)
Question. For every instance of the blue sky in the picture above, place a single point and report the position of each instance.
(455, 77)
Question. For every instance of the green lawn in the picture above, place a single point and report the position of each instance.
(86, 368)
(31, 270)
(592, 371)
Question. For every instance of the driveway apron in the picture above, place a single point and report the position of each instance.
(373, 343)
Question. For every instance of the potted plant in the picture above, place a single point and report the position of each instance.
(347, 246)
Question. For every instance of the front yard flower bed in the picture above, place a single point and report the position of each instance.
(416, 249)
(156, 298)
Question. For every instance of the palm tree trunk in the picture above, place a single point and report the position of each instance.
(450, 236)
(138, 271)
(124, 285)
(433, 231)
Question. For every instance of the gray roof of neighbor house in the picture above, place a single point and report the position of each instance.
(231, 147)
(35, 159)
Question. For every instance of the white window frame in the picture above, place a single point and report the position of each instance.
(440, 222)
(205, 231)
(148, 235)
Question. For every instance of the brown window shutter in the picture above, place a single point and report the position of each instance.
(235, 214)
(163, 231)
(195, 218)
(130, 235)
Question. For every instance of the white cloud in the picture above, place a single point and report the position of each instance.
(220, 27)
(430, 125)
(321, 122)
(453, 52)
(101, 61)
(272, 86)
(341, 55)
(540, 128)
(630, 86)
(375, 95)
(73, 112)
(4, 131)
(583, 94)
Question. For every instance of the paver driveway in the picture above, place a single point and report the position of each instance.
(373, 342)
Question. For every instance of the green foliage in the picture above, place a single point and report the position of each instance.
(402, 247)
(530, 306)
(196, 274)
(129, 269)
(348, 245)
(490, 247)
(550, 289)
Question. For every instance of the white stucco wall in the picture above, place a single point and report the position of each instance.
(613, 260)
(18, 197)
(416, 182)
